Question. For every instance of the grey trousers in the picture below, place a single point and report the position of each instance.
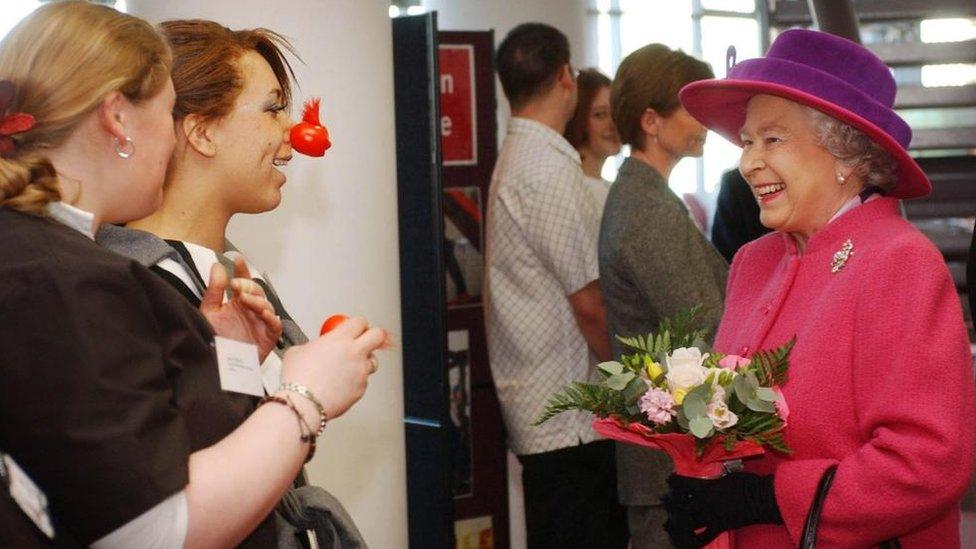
(646, 525)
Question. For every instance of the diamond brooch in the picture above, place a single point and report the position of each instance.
(841, 256)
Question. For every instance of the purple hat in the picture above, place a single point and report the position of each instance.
(829, 73)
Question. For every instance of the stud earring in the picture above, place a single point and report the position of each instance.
(841, 179)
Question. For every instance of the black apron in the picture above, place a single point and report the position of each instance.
(109, 379)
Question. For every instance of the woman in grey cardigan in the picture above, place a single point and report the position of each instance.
(654, 261)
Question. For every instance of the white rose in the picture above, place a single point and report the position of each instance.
(685, 369)
(720, 415)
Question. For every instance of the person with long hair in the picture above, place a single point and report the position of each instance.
(113, 401)
(591, 131)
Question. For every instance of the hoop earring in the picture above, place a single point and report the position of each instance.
(125, 150)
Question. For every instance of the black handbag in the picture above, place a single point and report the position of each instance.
(808, 540)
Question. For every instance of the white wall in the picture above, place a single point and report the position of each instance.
(332, 245)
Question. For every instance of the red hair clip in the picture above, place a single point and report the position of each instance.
(12, 123)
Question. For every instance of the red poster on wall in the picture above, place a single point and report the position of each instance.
(459, 126)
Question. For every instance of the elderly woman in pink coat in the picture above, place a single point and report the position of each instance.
(880, 386)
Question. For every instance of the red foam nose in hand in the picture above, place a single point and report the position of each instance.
(331, 322)
(309, 136)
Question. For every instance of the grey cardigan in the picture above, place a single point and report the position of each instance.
(654, 262)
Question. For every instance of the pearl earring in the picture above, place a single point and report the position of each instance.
(841, 178)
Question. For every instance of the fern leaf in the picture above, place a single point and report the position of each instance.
(598, 399)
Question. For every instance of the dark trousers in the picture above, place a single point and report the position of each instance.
(571, 498)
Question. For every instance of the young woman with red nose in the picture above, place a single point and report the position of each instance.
(233, 95)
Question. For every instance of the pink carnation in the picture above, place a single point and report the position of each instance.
(733, 362)
(657, 405)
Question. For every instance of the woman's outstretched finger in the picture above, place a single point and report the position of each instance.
(256, 303)
(371, 340)
(245, 286)
(351, 327)
(213, 297)
(241, 269)
(272, 322)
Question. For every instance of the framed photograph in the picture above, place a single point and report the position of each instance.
(459, 380)
(463, 246)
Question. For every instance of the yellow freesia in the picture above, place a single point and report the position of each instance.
(679, 396)
(653, 368)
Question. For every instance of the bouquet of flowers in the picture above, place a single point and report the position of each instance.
(701, 407)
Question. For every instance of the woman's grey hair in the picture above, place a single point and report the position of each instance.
(854, 149)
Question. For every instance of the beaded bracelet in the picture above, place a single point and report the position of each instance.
(305, 392)
(303, 428)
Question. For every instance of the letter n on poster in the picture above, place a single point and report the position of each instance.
(459, 126)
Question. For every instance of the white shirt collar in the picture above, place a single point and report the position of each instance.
(73, 217)
(528, 126)
(853, 203)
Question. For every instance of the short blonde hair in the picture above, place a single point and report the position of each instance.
(63, 60)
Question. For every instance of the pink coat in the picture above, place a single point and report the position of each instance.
(880, 380)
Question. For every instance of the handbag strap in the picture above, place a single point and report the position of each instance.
(808, 539)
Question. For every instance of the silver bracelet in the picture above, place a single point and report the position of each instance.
(305, 392)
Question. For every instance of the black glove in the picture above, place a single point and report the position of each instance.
(717, 505)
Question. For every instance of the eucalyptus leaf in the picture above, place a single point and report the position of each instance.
(742, 389)
(618, 382)
(753, 381)
(767, 394)
(701, 427)
(682, 419)
(703, 391)
(635, 389)
(611, 368)
(757, 405)
(694, 406)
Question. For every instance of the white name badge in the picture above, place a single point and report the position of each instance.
(28, 496)
(239, 368)
(271, 373)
